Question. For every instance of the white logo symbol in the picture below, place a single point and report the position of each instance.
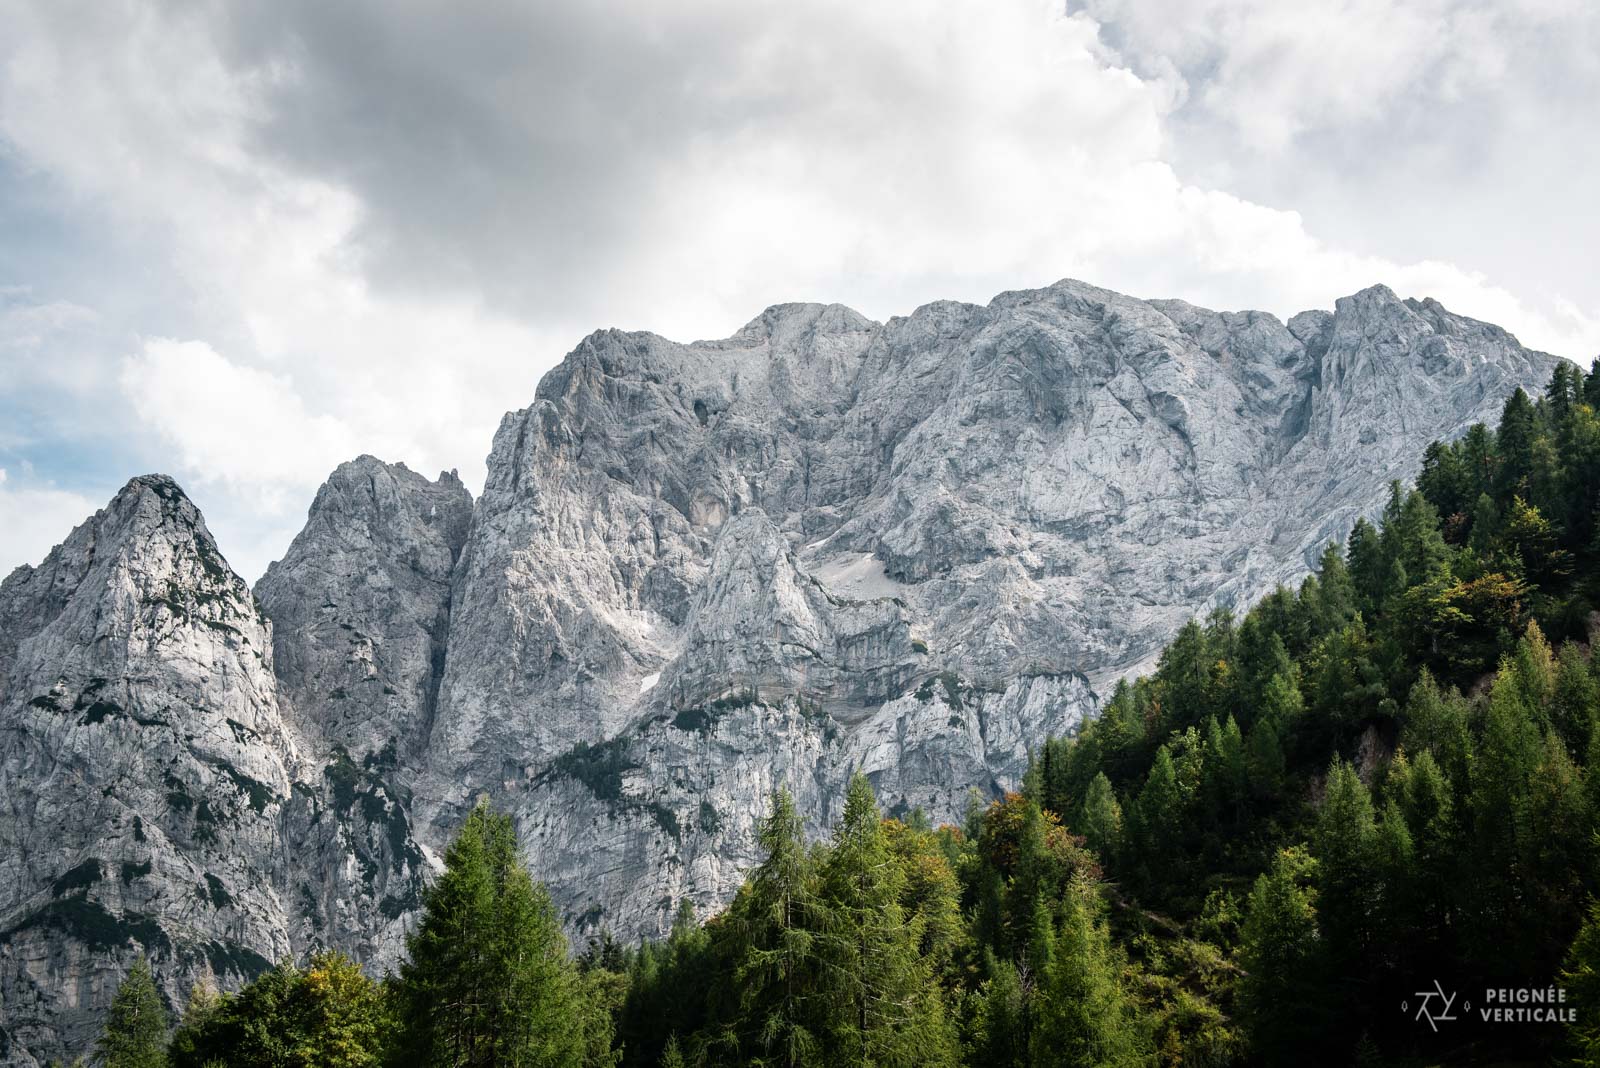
(1427, 1010)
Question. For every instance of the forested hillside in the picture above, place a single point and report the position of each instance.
(1258, 854)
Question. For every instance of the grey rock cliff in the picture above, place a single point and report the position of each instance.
(696, 572)
(143, 765)
(361, 607)
(154, 796)
(911, 547)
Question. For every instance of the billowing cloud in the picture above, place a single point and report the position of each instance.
(36, 517)
(371, 226)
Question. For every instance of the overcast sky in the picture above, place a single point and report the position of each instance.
(240, 243)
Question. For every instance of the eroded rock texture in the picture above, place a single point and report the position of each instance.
(696, 572)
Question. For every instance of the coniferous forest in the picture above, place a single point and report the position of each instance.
(1261, 853)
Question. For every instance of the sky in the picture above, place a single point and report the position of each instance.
(242, 243)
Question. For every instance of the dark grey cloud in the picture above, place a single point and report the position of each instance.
(513, 150)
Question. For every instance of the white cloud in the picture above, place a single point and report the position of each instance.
(34, 519)
(232, 424)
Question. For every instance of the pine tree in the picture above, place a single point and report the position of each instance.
(136, 1030)
(488, 981)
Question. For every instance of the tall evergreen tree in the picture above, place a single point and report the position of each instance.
(1101, 819)
(1085, 1017)
(777, 971)
(1281, 995)
(488, 982)
(1344, 845)
(1580, 977)
(136, 1030)
(884, 1007)
(1514, 441)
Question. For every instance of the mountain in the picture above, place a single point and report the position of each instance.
(695, 572)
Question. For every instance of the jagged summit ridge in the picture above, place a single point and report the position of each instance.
(361, 601)
(1027, 498)
(696, 572)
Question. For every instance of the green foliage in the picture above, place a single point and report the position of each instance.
(1085, 1015)
(1282, 956)
(882, 1007)
(135, 1034)
(488, 980)
(1580, 977)
(327, 1014)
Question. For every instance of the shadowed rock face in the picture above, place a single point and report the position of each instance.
(696, 572)
(361, 607)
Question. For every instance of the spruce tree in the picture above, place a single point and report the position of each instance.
(1514, 442)
(136, 1030)
(1085, 1017)
(488, 981)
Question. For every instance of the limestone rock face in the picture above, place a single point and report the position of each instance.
(143, 767)
(360, 607)
(154, 797)
(697, 572)
(911, 547)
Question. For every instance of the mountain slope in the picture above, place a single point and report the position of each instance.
(825, 543)
(695, 572)
(154, 797)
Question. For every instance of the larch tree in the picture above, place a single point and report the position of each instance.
(885, 1008)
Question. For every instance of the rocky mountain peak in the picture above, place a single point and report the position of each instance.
(361, 606)
(143, 762)
(696, 572)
